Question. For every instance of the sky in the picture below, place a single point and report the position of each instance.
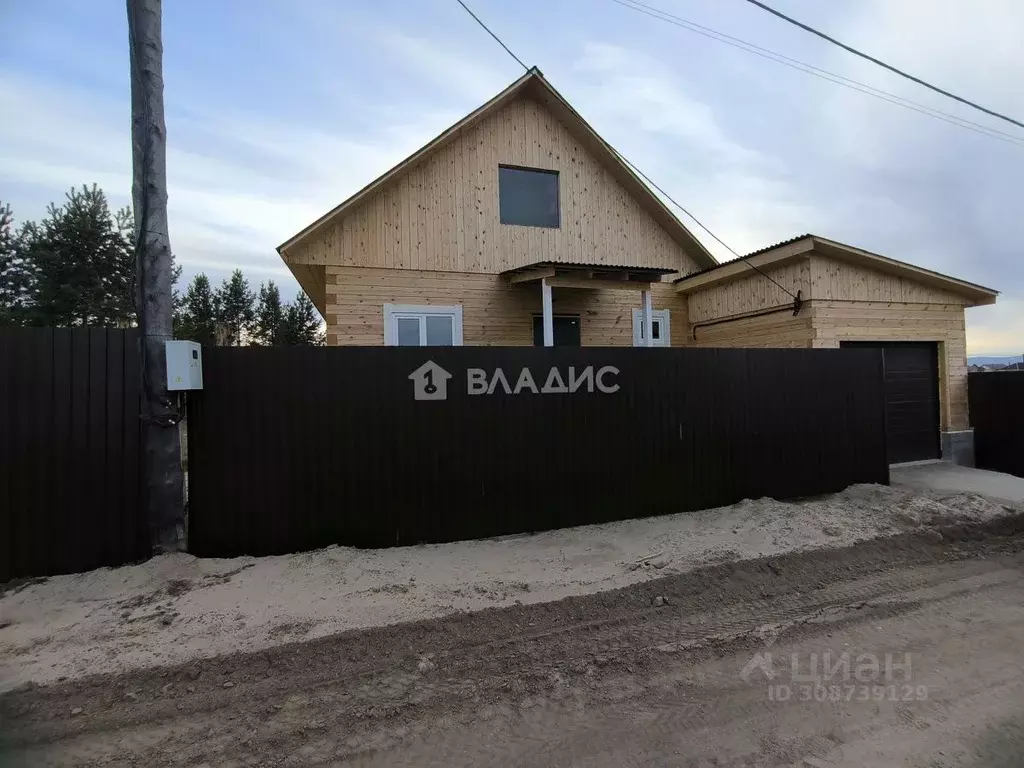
(277, 110)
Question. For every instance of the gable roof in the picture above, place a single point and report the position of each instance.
(800, 246)
(535, 86)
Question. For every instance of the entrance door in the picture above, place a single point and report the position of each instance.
(911, 398)
(566, 328)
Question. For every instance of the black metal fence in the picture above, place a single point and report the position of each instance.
(295, 449)
(996, 400)
(69, 450)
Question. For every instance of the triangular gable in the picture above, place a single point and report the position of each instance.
(535, 86)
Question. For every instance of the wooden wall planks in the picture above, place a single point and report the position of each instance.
(443, 214)
(495, 313)
(751, 293)
(834, 279)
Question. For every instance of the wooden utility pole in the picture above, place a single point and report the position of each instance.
(162, 479)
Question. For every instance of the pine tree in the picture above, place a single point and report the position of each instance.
(302, 324)
(15, 273)
(235, 307)
(123, 284)
(197, 313)
(82, 263)
(268, 326)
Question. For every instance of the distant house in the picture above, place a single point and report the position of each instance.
(520, 225)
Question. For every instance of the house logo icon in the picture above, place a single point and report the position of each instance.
(430, 382)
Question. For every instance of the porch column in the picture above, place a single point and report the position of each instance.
(549, 317)
(646, 322)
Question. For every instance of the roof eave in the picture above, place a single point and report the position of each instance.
(585, 266)
(978, 295)
(732, 270)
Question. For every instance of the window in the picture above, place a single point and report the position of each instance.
(565, 328)
(660, 326)
(528, 196)
(428, 326)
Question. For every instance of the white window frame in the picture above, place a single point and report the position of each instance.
(393, 312)
(662, 316)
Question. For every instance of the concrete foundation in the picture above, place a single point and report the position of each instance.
(958, 447)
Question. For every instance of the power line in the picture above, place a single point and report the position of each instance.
(488, 31)
(810, 69)
(637, 171)
(824, 74)
(721, 242)
(882, 64)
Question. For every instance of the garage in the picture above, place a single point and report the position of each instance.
(911, 398)
(818, 293)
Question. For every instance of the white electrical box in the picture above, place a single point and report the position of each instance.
(184, 365)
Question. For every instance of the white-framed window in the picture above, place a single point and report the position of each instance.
(409, 325)
(660, 323)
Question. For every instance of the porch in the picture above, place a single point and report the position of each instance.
(551, 275)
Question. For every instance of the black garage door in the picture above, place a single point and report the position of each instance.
(911, 398)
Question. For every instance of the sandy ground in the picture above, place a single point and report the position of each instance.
(175, 608)
(686, 670)
(942, 476)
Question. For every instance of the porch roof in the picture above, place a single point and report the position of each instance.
(574, 275)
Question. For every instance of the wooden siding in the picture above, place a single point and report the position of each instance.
(494, 313)
(442, 215)
(780, 329)
(751, 292)
(837, 280)
(836, 321)
(819, 278)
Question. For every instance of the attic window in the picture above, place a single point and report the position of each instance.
(528, 196)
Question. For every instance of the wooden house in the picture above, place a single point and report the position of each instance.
(520, 225)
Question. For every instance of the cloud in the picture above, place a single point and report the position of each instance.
(242, 178)
(623, 85)
(746, 196)
(951, 194)
(238, 184)
(446, 70)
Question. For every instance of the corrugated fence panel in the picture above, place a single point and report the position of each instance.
(69, 450)
(294, 449)
(996, 400)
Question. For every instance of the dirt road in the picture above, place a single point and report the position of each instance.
(907, 651)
